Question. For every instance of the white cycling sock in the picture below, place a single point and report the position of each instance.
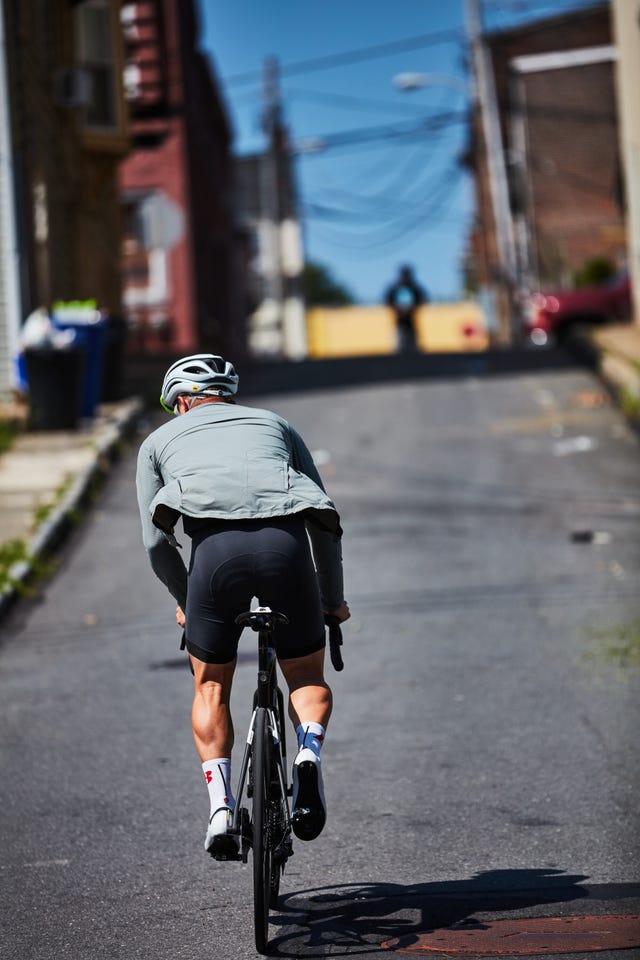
(217, 773)
(310, 736)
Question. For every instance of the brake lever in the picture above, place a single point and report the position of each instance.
(335, 641)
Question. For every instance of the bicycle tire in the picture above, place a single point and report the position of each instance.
(277, 813)
(262, 858)
(274, 883)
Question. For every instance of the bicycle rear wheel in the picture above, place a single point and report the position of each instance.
(262, 853)
(278, 806)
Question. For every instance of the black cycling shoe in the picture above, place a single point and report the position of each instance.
(224, 847)
(221, 846)
(309, 812)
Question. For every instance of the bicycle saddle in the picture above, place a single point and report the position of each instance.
(261, 618)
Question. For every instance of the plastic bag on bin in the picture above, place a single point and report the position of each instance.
(39, 333)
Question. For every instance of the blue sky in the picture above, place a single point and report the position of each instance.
(399, 194)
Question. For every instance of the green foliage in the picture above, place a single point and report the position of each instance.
(321, 289)
(8, 431)
(11, 552)
(630, 403)
(594, 272)
(619, 646)
(42, 512)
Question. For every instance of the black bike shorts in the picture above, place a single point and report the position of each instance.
(234, 561)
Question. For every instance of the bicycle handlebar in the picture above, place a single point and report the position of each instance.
(335, 641)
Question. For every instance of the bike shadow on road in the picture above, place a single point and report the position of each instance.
(356, 919)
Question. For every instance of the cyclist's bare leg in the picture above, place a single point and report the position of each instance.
(210, 715)
(310, 697)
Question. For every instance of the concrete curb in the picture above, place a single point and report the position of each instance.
(619, 370)
(52, 531)
(616, 365)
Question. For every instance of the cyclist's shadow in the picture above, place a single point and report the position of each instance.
(355, 919)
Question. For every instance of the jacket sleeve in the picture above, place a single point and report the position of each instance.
(165, 560)
(325, 544)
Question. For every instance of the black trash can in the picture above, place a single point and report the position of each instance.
(114, 353)
(55, 379)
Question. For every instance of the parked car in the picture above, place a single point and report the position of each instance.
(548, 316)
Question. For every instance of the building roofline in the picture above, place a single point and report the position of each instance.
(559, 59)
(533, 26)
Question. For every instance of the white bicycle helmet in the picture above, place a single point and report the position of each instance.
(203, 373)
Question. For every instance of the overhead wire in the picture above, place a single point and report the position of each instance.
(384, 197)
(384, 154)
(351, 102)
(411, 175)
(353, 56)
(362, 135)
(441, 195)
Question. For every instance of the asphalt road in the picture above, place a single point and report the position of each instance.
(482, 760)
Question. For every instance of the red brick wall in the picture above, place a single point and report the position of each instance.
(162, 168)
(192, 166)
(573, 166)
(572, 156)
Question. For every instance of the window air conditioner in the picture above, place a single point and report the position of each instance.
(74, 87)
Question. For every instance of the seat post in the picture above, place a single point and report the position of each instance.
(266, 664)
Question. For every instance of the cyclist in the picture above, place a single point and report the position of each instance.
(248, 492)
(404, 297)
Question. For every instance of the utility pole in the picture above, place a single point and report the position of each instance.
(271, 320)
(484, 95)
(283, 314)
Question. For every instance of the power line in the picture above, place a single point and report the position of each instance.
(353, 56)
(394, 244)
(412, 175)
(434, 123)
(356, 103)
(382, 198)
(385, 162)
(423, 219)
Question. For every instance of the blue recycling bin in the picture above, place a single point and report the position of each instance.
(90, 334)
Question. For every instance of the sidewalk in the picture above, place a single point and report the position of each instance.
(44, 479)
(617, 351)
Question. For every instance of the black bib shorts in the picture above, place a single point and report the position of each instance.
(233, 561)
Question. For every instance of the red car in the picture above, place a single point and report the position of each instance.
(548, 316)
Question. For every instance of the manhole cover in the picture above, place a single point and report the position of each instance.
(529, 937)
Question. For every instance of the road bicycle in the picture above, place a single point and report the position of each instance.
(263, 773)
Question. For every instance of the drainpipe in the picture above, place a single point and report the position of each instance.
(10, 301)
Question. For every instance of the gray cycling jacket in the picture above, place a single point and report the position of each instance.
(230, 462)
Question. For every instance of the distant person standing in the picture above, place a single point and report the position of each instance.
(404, 297)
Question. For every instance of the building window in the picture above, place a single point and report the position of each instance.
(95, 53)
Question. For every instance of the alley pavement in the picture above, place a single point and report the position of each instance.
(45, 476)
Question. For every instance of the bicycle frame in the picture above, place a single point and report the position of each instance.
(263, 775)
(267, 697)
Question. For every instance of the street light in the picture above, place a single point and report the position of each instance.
(418, 81)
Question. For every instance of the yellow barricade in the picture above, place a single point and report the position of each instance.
(366, 330)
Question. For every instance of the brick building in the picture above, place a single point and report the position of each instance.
(66, 134)
(182, 256)
(556, 96)
(626, 18)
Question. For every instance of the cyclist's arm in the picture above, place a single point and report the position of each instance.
(326, 546)
(165, 560)
(327, 556)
